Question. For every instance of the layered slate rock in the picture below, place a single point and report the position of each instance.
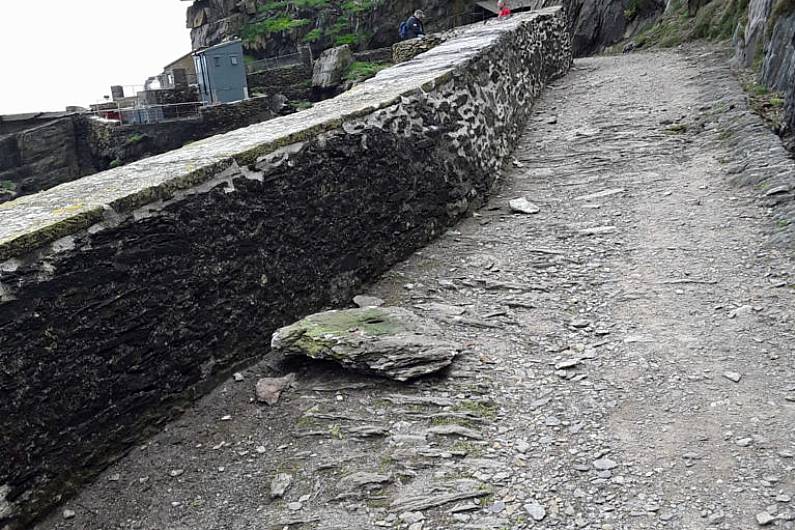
(388, 341)
(142, 285)
(329, 69)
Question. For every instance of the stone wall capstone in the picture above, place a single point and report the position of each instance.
(128, 290)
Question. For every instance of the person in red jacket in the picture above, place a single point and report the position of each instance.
(505, 11)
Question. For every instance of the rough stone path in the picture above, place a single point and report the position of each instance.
(629, 352)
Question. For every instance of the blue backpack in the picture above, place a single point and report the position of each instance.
(404, 30)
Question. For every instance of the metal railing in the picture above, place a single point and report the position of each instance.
(150, 114)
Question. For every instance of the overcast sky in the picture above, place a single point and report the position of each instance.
(56, 53)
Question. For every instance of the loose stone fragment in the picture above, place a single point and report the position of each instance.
(388, 341)
(599, 230)
(764, 518)
(269, 389)
(294, 506)
(280, 484)
(68, 514)
(605, 464)
(568, 363)
(536, 511)
(522, 205)
(455, 430)
(362, 478)
(733, 376)
(364, 300)
(411, 517)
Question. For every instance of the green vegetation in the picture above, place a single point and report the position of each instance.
(342, 25)
(637, 8)
(115, 163)
(300, 104)
(7, 185)
(484, 409)
(335, 431)
(361, 70)
(676, 128)
(272, 25)
(717, 20)
(313, 36)
(136, 138)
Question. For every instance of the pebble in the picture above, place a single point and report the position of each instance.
(744, 442)
(522, 205)
(294, 506)
(535, 510)
(605, 464)
(237, 376)
(733, 376)
(280, 484)
(411, 517)
(764, 518)
(69, 514)
(567, 364)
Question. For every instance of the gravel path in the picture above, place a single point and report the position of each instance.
(628, 361)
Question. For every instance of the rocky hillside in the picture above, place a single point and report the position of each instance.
(767, 42)
(762, 30)
(277, 27)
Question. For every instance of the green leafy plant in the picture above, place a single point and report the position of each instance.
(361, 70)
(313, 36)
(136, 138)
(7, 185)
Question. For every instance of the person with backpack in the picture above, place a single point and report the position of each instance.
(413, 28)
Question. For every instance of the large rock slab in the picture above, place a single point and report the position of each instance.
(329, 69)
(388, 341)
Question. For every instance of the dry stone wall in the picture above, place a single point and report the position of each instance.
(129, 290)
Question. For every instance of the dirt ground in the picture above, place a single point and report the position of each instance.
(628, 363)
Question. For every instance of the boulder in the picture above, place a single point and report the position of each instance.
(329, 69)
(387, 341)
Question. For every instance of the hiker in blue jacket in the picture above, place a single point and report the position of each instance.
(413, 28)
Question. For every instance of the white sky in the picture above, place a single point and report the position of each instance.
(55, 53)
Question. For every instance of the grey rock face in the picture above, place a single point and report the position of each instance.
(330, 67)
(750, 39)
(776, 44)
(388, 341)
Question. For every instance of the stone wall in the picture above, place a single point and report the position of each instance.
(131, 289)
(379, 55)
(294, 81)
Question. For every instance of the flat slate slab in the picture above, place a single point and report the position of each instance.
(388, 341)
